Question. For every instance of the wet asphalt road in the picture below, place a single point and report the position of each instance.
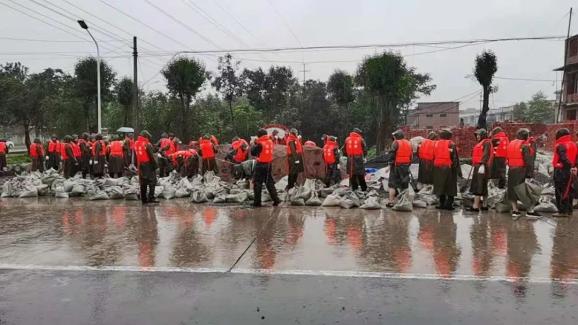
(169, 264)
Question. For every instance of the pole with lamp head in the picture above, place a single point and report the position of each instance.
(99, 116)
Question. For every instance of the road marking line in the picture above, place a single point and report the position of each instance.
(350, 274)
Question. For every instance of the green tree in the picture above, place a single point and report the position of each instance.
(340, 87)
(227, 82)
(393, 85)
(248, 119)
(520, 112)
(540, 109)
(486, 67)
(86, 86)
(14, 109)
(124, 96)
(185, 77)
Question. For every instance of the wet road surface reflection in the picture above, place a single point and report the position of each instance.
(180, 234)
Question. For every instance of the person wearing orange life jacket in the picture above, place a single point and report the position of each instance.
(191, 163)
(425, 152)
(564, 163)
(147, 166)
(98, 157)
(53, 150)
(85, 154)
(355, 150)
(294, 158)
(37, 155)
(520, 167)
(331, 159)
(500, 143)
(68, 159)
(166, 147)
(77, 153)
(3, 151)
(263, 149)
(238, 154)
(116, 158)
(402, 154)
(446, 170)
(208, 153)
(481, 160)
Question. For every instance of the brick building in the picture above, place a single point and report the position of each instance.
(434, 115)
(570, 87)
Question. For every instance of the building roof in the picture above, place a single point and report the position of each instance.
(436, 107)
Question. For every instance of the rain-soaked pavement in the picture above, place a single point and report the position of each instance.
(116, 262)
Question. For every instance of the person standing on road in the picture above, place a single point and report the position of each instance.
(355, 150)
(294, 158)
(116, 158)
(331, 159)
(68, 160)
(425, 152)
(500, 143)
(564, 163)
(446, 170)
(77, 153)
(263, 150)
(53, 153)
(85, 154)
(208, 153)
(37, 155)
(481, 160)
(520, 167)
(401, 154)
(147, 167)
(98, 157)
(3, 151)
(128, 147)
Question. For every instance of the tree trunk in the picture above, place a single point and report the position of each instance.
(126, 110)
(183, 117)
(26, 125)
(485, 108)
(232, 115)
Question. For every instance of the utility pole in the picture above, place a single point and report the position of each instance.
(304, 71)
(566, 43)
(135, 100)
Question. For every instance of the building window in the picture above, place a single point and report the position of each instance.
(443, 115)
(429, 115)
(571, 115)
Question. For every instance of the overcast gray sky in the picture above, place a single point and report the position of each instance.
(229, 24)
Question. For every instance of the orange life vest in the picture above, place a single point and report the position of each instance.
(329, 152)
(403, 153)
(142, 156)
(116, 149)
(2, 147)
(501, 150)
(76, 149)
(354, 145)
(63, 153)
(207, 150)
(426, 149)
(515, 156)
(240, 153)
(298, 146)
(567, 142)
(442, 154)
(166, 142)
(478, 151)
(266, 155)
(310, 143)
(102, 148)
(53, 146)
(34, 149)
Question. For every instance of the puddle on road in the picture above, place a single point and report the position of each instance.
(177, 233)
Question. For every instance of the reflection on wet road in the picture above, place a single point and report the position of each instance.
(181, 234)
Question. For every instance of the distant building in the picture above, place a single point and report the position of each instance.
(570, 86)
(501, 114)
(434, 115)
(470, 116)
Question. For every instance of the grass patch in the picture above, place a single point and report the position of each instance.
(17, 158)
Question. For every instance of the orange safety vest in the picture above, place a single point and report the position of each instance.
(76, 150)
(240, 153)
(266, 155)
(501, 150)
(515, 157)
(567, 142)
(426, 149)
(53, 146)
(403, 153)
(34, 150)
(102, 148)
(329, 152)
(166, 142)
(142, 156)
(2, 147)
(310, 143)
(478, 151)
(442, 155)
(354, 145)
(63, 153)
(298, 146)
(116, 149)
(207, 150)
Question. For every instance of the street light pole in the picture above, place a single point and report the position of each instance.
(99, 116)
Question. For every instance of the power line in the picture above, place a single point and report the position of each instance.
(52, 40)
(285, 23)
(216, 2)
(189, 28)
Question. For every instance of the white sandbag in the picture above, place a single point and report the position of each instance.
(298, 202)
(371, 203)
(78, 190)
(347, 203)
(220, 199)
(29, 193)
(98, 195)
(180, 193)
(158, 191)
(7, 189)
(314, 200)
(331, 201)
(68, 185)
(237, 198)
(115, 193)
(282, 183)
(419, 204)
(131, 196)
(61, 195)
(169, 192)
(42, 189)
(404, 202)
(547, 207)
(199, 196)
(112, 181)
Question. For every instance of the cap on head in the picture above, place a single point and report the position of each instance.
(85, 136)
(497, 130)
(163, 135)
(98, 137)
(146, 134)
(171, 135)
(398, 135)
(432, 135)
(562, 132)
(235, 138)
(523, 134)
(294, 131)
(482, 133)
(261, 132)
(357, 130)
(37, 140)
(67, 138)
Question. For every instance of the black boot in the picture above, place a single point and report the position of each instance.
(449, 203)
(442, 204)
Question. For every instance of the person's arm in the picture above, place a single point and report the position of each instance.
(69, 153)
(563, 157)
(486, 153)
(364, 146)
(293, 150)
(256, 150)
(528, 161)
(336, 154)
(97, 149)
(151, 152)
(455, 159)
(393, 152)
